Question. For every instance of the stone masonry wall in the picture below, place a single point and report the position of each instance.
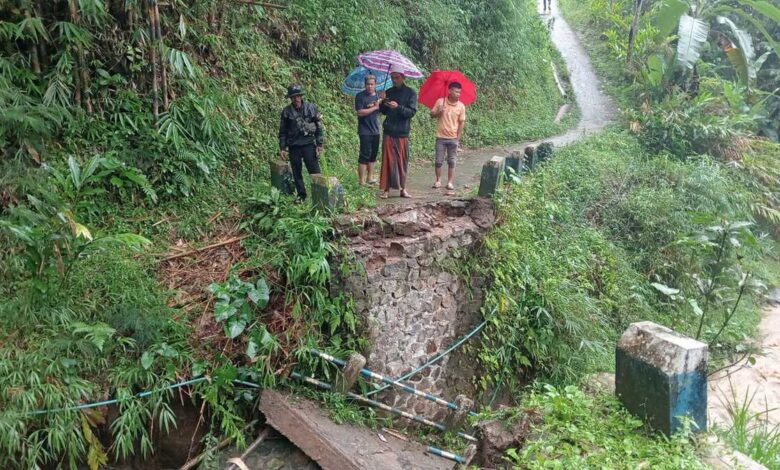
(415, 303)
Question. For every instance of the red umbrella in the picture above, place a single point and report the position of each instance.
(437, 86)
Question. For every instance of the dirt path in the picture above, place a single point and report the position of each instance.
(744, 379)
(596, 108)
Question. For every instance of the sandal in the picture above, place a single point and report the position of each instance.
(436, 185)
(406, 194)
(450, 186)
(383, 195)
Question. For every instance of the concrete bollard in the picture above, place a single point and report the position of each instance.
(457, 418)
(543, 152)
(491, 176)
(326, 192)
(515, 162)
(530, 157)
(281, 177)
(350, 373)
(661, 375)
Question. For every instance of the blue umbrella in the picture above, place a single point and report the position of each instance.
(356, 80)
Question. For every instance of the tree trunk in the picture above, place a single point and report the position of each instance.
(632, 30)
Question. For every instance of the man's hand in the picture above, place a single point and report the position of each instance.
(392, 104)
(283, 154)
(319, 150)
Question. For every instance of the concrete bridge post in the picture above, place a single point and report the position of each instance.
(327, 193)
(661, 376)
(281, 176)
(492, 171)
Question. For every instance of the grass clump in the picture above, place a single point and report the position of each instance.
(584, 431)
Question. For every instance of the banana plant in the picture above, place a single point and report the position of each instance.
(693, 19)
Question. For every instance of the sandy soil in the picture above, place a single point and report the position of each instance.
(744, 379)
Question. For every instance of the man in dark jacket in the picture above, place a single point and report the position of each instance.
(301, 137)
(399, 106)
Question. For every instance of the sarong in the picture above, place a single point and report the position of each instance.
(395, 161)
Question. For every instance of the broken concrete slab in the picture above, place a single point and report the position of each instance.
(342, 446)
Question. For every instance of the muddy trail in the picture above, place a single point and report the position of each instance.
(596, 111)
(758, 382)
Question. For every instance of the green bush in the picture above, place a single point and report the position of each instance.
(584, 432)
(580, 243)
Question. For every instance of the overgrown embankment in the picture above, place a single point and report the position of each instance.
(140, 243)
(669, 216)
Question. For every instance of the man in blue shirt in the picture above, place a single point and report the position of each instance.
(367, 104)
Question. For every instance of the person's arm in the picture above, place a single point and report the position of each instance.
(438, 107)
(409, 108)
(385, 108)
(283, 136)
(367, 111)
(461, 123)
(319, 130)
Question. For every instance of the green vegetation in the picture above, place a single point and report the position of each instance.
(670, 220)
(750, 432)
(583, 431)
(605, 234)
(136, 133)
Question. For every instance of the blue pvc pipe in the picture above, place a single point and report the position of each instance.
(390, 381)
(446, 455)
(113, 401)
(437, 357)
(382, 406)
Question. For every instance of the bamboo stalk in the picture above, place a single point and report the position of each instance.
(208, 247)
(82, 74)
(40, 12)
(163, 68)
(36, 64)
(262, 4)
(153, 52)
(72, 7)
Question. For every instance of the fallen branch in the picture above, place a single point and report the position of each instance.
(192, 463)
(262, 4)
(205, 248)
(260, 438)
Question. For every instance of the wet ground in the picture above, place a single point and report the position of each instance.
(759, 382)
(596, 110)
(275, 453)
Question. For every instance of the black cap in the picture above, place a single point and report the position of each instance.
(294, 90)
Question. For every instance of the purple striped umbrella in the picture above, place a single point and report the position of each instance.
(384, 60)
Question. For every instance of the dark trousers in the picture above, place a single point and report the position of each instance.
(299, 155)
(547, 4)
(369, 149)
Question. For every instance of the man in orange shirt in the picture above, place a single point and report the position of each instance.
(451, 114)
